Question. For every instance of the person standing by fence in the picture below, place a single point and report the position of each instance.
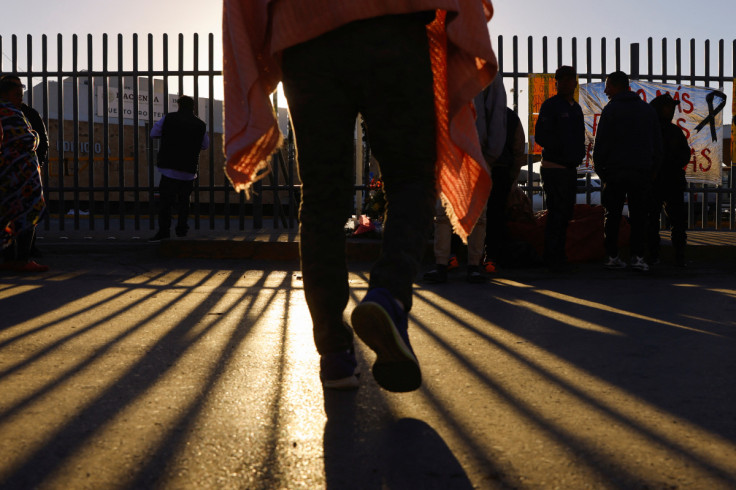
(626, 156)
(392, 63)
(670, 183)
(183, 135)
(22, 203)
(560, 131)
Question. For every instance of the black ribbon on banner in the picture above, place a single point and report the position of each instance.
(712, 113)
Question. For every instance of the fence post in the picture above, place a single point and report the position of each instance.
(634, 71)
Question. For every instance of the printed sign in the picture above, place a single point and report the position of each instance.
(128, 107)
(699, 115)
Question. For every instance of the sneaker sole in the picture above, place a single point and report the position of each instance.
(396, 368)
(615, 267)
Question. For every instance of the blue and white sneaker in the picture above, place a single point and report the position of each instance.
(382, 324)
(339, 370)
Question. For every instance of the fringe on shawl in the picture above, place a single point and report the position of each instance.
(463, 184)
(253, 162)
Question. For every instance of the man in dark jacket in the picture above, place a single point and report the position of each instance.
(183, 135)
(560, 131)
(626, 156)
(670, 184)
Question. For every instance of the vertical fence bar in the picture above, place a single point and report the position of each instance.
(91, 133)
(529, 187)
(589, 59)
(136, 139)
(574, 54)
(650, 59)
(105, 134)
(181, 64)
(195, 82)
(75, 130)
(166, 72)
(121, 135)
(706, 79)
(29, 69)
(211, 129)
(664, 60)
(604, 73)
(14, 53)
(290, 182)
(60, 129)
(544, 55)
(149, 140)
(634, 60)
(721, 87)
(618, 54)
(275, 166)
(515, 53)
(678, 61)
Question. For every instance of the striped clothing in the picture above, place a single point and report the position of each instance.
(21, 195)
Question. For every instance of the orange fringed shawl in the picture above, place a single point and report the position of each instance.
(463, 63)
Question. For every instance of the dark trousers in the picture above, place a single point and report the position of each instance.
(671, 196)
(560, 186)
(634, 186)
(496, 228)
(174, 192)
(380, 68)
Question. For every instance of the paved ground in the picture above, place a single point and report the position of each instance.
(121, 368)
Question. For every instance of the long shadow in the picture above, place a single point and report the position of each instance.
(138, 378)
(66, 374)
(152, 474)
(365, 447)
(685, 370)
(652, 360)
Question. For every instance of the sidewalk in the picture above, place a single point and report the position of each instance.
(270, 244)
(122, 368)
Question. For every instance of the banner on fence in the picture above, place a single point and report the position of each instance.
(541, 87)
(128, 107)
(699, 115)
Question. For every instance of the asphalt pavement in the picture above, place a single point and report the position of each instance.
(132, 365)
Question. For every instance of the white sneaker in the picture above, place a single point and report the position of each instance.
(639, 264)
(614, 263)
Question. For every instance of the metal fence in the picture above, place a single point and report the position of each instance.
(121, 194)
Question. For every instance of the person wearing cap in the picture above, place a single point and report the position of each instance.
(560, 131)
(670, 183)
(626, 156)
(22, 205)
(183, 135)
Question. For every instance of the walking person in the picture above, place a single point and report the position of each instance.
(390, 62)
(670, 183)
(626, 156)
(560, 131)
(183, 135)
